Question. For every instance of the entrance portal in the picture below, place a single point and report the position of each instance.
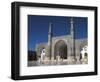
(60, 49)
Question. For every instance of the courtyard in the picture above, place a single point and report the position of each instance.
(56, 62)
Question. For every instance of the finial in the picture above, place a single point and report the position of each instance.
(71, 19)
(50, 26)
(72, 27)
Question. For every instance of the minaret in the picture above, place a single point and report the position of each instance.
(72, 28)
(72, 38)
(50, 40)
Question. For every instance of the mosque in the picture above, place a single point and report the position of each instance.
(65, 47)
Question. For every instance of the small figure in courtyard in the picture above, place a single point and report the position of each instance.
(84, 53)
(42, 54)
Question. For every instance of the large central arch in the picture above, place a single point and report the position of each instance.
(60, 49)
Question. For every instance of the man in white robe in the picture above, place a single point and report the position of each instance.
(42, 54)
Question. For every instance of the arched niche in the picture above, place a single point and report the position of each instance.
(60, 49)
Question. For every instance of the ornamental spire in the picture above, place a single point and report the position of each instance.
(50, 27)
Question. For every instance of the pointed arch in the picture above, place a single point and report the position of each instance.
(60, 49)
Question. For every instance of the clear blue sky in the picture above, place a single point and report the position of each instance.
(38, 28)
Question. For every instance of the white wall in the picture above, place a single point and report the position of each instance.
(5, 39)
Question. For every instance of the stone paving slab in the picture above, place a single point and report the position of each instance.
(54, 62)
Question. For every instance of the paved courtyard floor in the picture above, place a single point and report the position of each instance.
(54, 62)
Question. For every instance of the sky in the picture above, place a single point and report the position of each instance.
(38, 27)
